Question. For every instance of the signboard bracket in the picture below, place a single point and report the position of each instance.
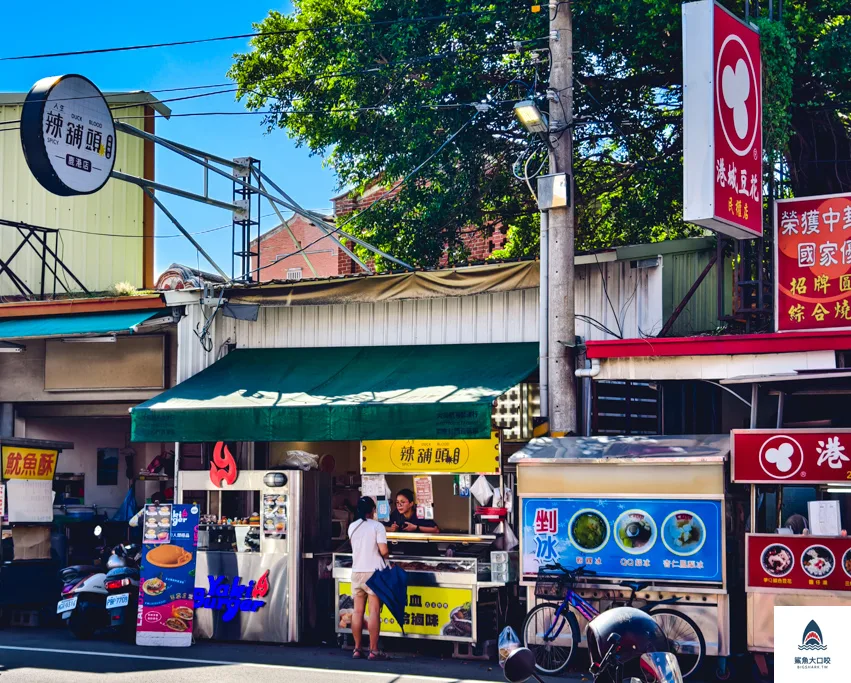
(46, 255)
(211, 162)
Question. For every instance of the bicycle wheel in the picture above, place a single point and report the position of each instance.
(553, 640)
(684, 636)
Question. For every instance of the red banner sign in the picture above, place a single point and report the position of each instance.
(798, 563)
(812, 253)
(722, 114)
(793, 456)
(738, 124)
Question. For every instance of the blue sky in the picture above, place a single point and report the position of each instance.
(33, 28)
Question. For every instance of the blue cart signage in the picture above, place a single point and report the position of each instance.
(678, 540)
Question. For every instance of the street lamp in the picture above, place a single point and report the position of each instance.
(531, 117)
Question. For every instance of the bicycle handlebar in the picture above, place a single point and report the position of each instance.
(579, 571)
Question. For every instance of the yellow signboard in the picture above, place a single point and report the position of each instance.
(432, 611)
(20, 462)
(433, 456)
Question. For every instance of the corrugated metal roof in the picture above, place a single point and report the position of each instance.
(139, 97)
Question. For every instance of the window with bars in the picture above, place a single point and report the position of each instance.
(515, 411)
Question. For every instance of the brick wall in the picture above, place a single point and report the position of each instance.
(277, 242)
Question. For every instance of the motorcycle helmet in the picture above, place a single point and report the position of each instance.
(634, 631)
(115, 561)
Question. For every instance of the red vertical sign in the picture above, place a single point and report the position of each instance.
(738, 123)
(812, 243)
(722, 121)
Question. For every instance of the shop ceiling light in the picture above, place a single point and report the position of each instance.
(531, 117)
(153, 322)
(9, 347)
(90, 340)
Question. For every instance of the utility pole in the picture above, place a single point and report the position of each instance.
(562, 306)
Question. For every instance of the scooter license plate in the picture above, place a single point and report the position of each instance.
(67, 605)
(114, 601)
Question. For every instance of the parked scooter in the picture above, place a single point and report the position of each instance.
(98, 601)
(615, 638)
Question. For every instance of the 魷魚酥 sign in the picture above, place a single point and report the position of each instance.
(20, 462)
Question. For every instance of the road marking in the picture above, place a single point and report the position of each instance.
(215, 662)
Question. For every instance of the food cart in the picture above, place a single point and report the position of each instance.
(794, 472)
(648, 509)
(455, 576)
(28, 568)
(259, 542)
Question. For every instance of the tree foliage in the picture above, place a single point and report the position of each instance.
(375, 90)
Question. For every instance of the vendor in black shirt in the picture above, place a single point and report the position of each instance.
(404, 517)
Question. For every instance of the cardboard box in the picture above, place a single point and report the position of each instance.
(31, 542)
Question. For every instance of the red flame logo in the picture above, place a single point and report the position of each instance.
(261, 588)
(223, 467)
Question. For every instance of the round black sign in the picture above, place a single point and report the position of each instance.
(68, 135)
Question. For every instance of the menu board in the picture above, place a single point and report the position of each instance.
(782, 562)
(678, 540)
(167, 578)
(274, 515)
(157, 523)
(432, 611)
(793, 456)
(30, 500)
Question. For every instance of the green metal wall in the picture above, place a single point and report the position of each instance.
(87, 223)
(682, 263)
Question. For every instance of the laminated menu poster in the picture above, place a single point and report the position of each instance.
(275, 516)
(633, 538)
(167, 576)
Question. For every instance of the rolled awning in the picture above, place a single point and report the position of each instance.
(343, 394)
(74, 324)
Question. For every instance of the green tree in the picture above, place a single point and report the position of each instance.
(375, 89)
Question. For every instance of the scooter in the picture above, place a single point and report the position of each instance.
(614, 638)
(122, 586)
(101, 601)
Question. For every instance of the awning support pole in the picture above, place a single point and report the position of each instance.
(781, 405)
(178, 494)
(754, 404)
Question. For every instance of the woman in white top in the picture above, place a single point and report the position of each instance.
(369, 554)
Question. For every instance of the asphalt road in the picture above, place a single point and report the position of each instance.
(35, 655)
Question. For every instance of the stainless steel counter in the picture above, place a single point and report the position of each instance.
(442, 598)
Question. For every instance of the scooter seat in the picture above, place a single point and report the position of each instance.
(123, 573)
(77, 573)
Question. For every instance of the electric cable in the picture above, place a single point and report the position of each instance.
(293, 31)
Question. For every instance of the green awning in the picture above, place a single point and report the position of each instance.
(349, 393)
(74, 324)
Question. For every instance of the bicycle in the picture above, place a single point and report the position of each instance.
(544, 628)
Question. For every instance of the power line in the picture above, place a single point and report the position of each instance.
(311, 29)
(313, 77)
(310, 112)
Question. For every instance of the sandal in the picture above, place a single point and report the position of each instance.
(377, 656)
(357, 654)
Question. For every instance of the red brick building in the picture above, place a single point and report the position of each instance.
(277, 244)
(327, 258)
